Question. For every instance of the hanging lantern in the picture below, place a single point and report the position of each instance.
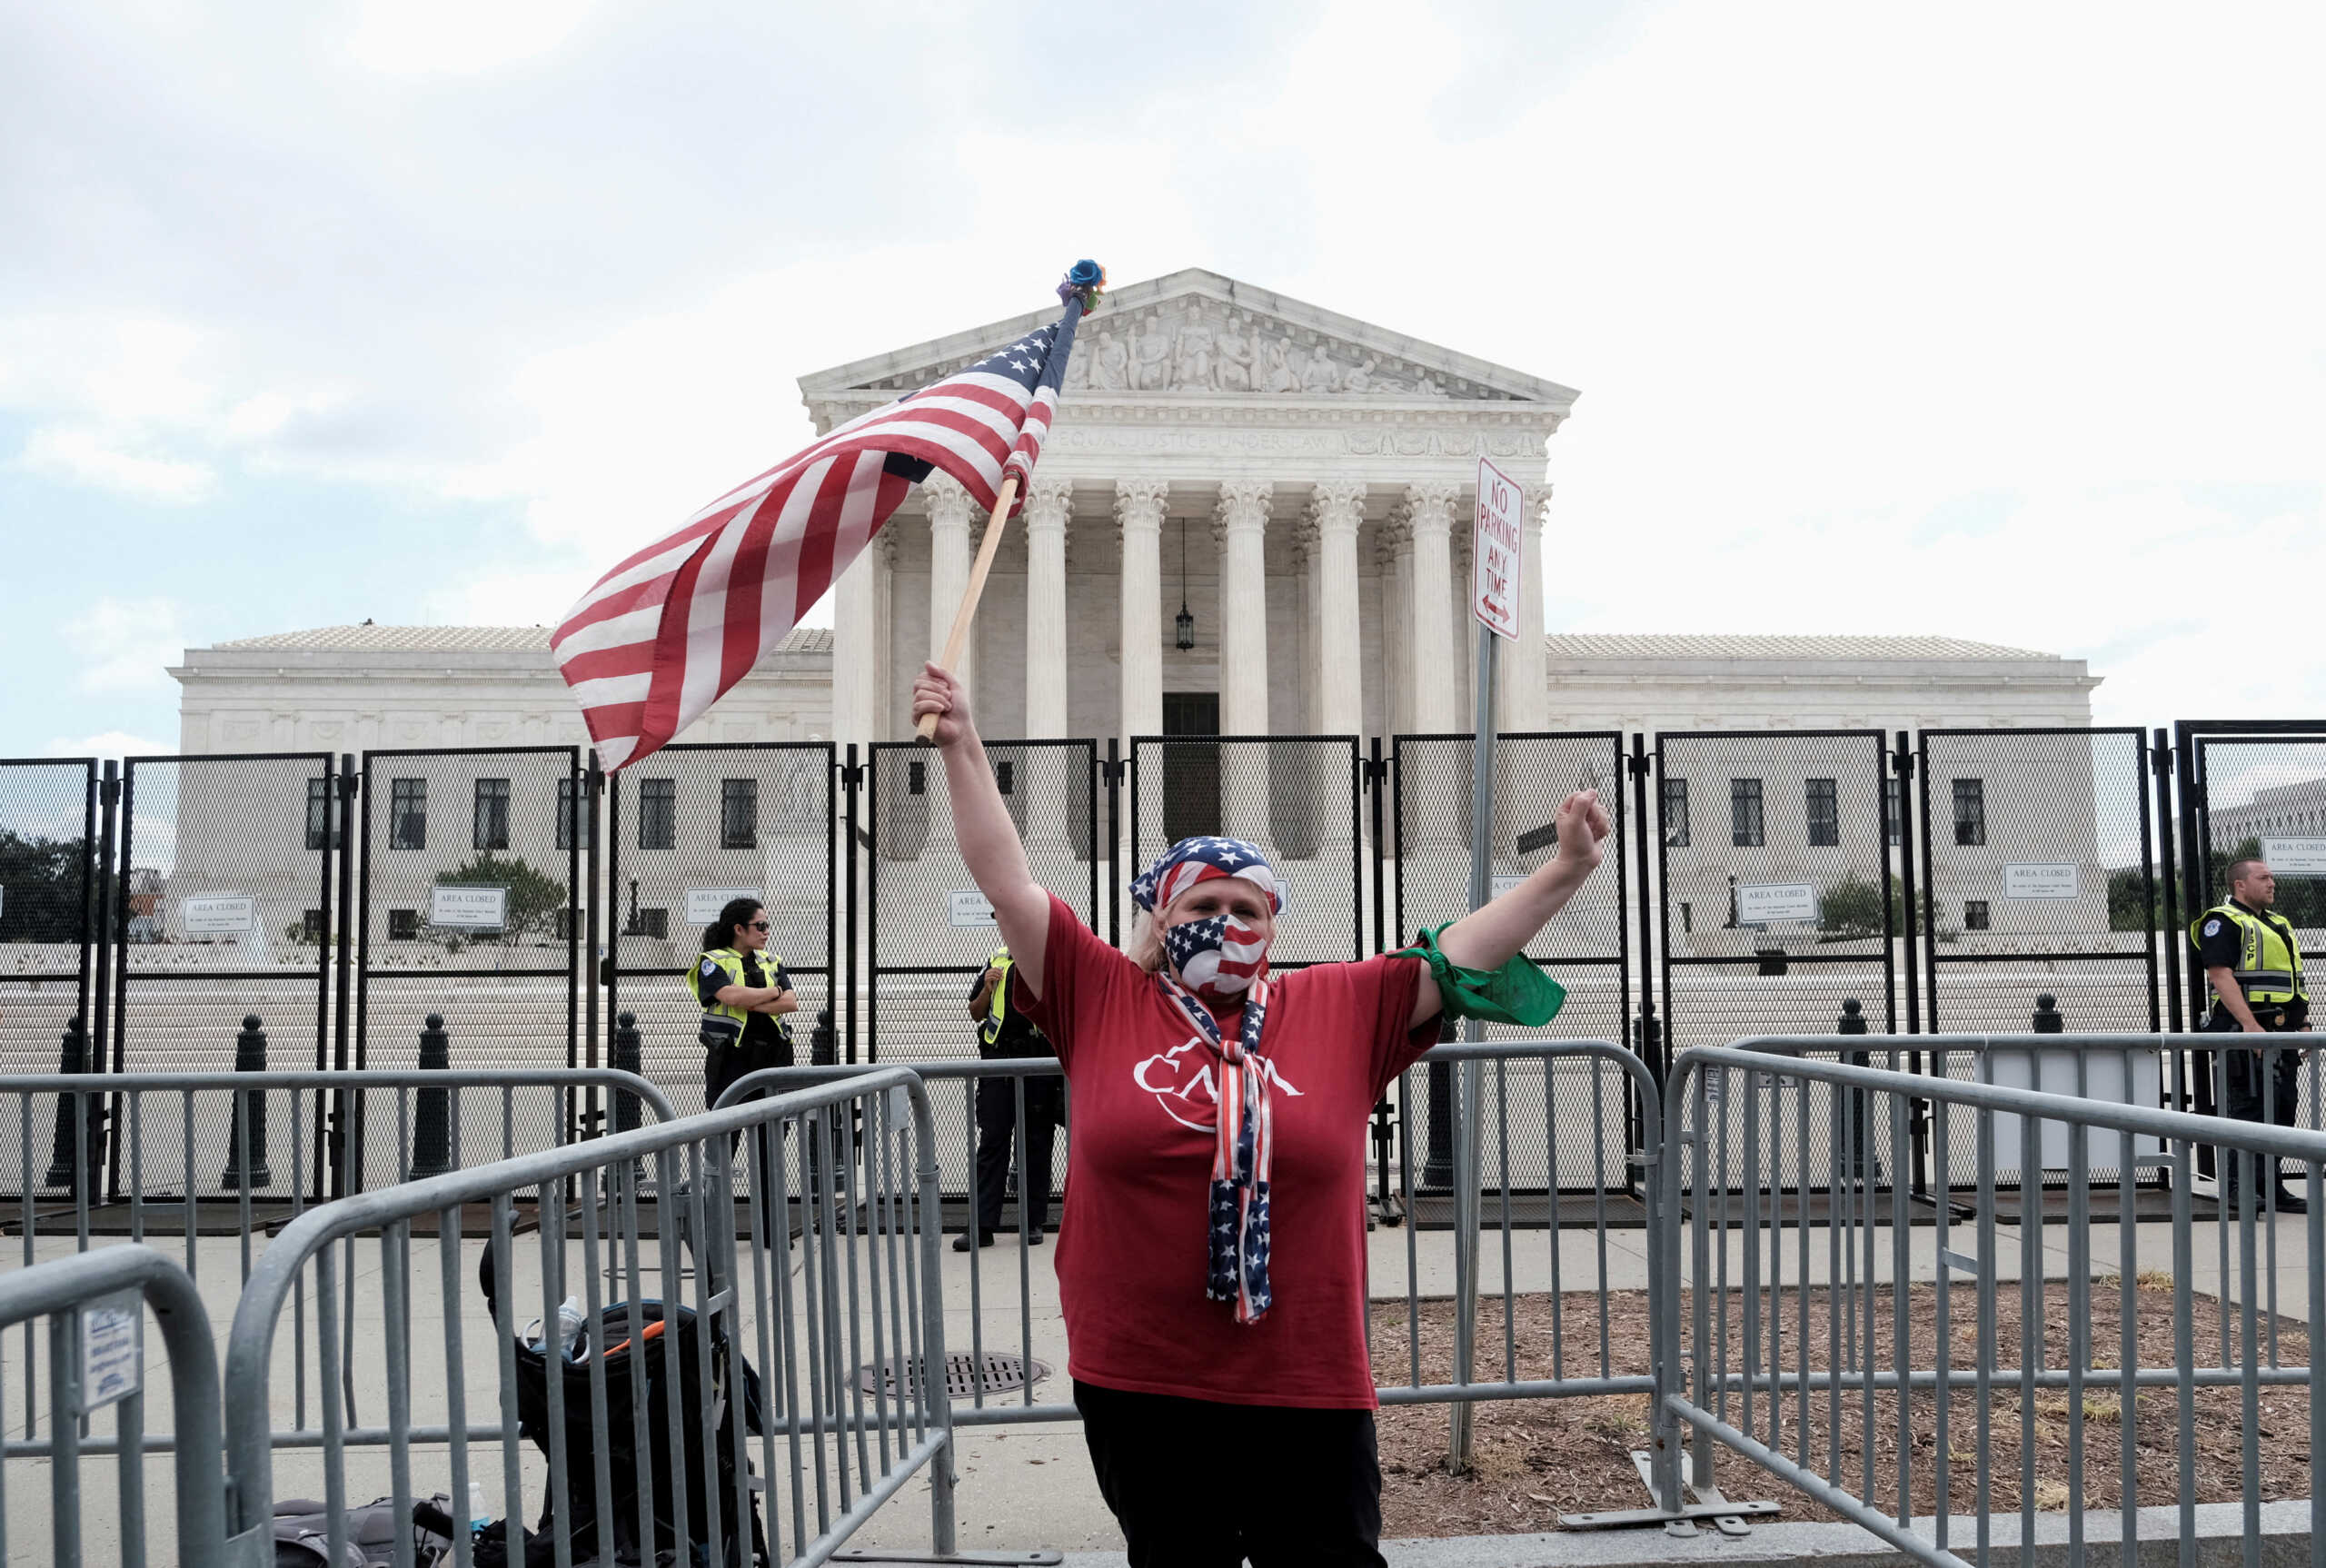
(1184, 622)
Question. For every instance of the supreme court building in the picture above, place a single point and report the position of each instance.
(1252, 518)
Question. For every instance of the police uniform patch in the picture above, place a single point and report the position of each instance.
(712, 971)
(2212, 927)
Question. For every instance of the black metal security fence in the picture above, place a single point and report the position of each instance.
(1299, 797)
(307, 910)
(1780, 881)
(927, 930)
(692, 827)
(2040, 877)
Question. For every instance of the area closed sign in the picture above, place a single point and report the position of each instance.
(1494, 551)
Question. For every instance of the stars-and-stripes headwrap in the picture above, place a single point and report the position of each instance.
(1193, 860)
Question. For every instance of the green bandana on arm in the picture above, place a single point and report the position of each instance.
(1517, 993)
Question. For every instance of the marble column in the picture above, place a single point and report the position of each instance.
(949, 579)
(1395, 560)
(1337, 509)
(857, 688)
(1521, 701)
(1047, 509)
(1241, 521)
(948, 568)
(1139, 514)
(1437, 663)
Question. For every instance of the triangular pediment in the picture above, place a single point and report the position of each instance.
(1196, 335)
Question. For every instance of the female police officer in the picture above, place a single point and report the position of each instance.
(744, 994)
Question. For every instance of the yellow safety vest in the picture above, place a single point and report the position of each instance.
(2269, 965)
(989, 1026)
(731, 964)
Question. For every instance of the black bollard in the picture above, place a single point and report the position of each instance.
(1853, 1022)
(625, 1059)
(246, 1139)
(2048, 1019)
(1437, 1161)
(432, 1124)
(67, 1153)
(823, 1043)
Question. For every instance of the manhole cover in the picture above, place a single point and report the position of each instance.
(999, 1373)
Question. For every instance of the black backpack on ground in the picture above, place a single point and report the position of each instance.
(647, 1350)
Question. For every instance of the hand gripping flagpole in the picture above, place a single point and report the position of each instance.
(1080, 291)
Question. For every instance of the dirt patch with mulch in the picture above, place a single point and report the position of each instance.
(1537, 1459)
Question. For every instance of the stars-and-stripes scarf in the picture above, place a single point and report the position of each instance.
(1237, 1247)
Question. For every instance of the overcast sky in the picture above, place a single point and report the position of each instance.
(1997, 322)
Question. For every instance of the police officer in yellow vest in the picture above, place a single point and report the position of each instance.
(2250, 955)
(744, 995)
(1003, 1031)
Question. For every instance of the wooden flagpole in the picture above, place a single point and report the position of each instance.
(988, 548)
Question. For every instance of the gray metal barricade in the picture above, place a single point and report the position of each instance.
(1840, 1358)
(97, 1304)
(1553, 1121)
(648, 1435)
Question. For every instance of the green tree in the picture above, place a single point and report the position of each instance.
(535, 898)
(1851, 910)
(2129, 902)
(40, 888)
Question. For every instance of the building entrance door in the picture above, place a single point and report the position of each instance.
(1190, 773)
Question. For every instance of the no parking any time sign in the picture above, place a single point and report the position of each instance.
(1494, 551)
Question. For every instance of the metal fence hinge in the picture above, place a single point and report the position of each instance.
(1377, 768)
(2160, 760)
(109, 791)
(852, 776)
(1638, 766)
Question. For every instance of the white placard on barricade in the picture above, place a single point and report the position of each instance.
(2042, 881)
(1762, 903)
(2295, 857)
(468, 906)
(220, 914)
(704, 904)
(968, 907)
(112, 1330)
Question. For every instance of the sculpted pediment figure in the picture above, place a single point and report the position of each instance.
(1198, 335)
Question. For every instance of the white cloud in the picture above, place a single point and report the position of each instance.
(457, 37)
(126, 646)
(110, 743)
(89, 457)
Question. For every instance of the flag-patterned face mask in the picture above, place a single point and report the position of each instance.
(1216, 958)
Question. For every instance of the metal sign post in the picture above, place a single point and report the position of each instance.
(1494, 600)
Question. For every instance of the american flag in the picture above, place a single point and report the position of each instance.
(663, 635)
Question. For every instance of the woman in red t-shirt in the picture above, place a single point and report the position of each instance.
(1212, 1258)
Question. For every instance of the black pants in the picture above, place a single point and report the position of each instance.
(2254, 1089)
(996, 1121)
(1313, 1496)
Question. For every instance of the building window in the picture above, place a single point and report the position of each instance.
(1687, 920)
(1745, 830)
(1005, 775)
(654, 923)
(408, 814)
(1974, 915)
(1971, 811)
(657, 812)
(320, 829)
(916, 778)
(311, 925)
(488, 822)
(403, 924)
(1825, 813)
(738, 814)
(1894, 810)
(572, 814)
(1675, 813)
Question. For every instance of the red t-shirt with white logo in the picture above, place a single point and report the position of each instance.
(1131, 1245)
